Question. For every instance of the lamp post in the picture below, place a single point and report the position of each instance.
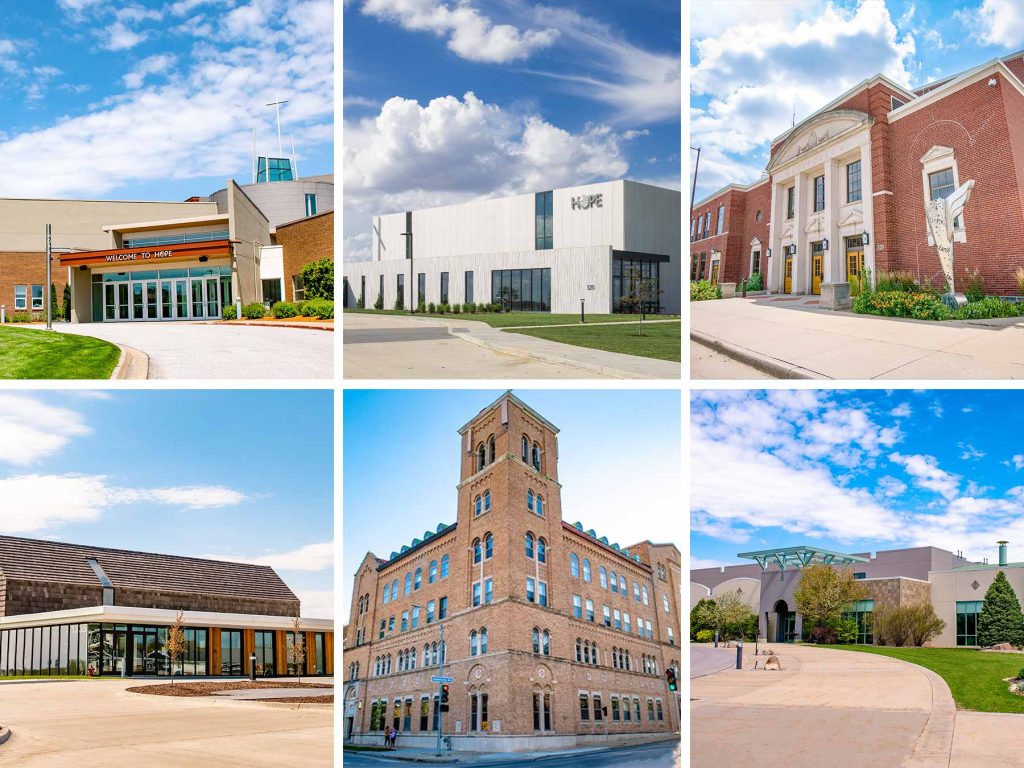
(440, 685)
(693, 188)
(412, 274)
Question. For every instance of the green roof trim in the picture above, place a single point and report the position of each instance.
(800, 557)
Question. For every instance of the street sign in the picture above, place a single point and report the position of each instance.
(439, 679)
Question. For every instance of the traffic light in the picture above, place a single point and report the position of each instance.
(670, 675)
(444, 698)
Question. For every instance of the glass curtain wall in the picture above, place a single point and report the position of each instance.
(522, 290)
(636, 282)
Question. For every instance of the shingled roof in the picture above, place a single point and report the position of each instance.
(55, 561)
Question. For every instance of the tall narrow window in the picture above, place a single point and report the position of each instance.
(524, 449)
(790, 202)
(468, 295)
(586, 569)
(476, 551)
(721, 219)
(543, 205)
(853, 193)
(488, 547)
(819, 193)
(421, 288)
(529, 501)
(542, 551)
(432, 572)
(529, 545)
(444, 567)
(444, 287)
(574, 565)
(310, 205)
(487, 501)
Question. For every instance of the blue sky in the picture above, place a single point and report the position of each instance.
(489, 97)
(619, 459)
(855, 471)
(177, 472)
(158, 99)
(750, 66)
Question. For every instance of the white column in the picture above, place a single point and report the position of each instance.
(868, 201)
(834, 180)
(799, 238)
(773, 267)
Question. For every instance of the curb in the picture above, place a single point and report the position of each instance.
(934, 748)
(5, 734)
(132, 364)
(774, 367)
(278, 325)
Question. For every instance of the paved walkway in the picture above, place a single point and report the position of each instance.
(184, 350)
(793, 338)
(400, 346)
(275, 693)
(96, 724)
(706, 363)
(706, 659)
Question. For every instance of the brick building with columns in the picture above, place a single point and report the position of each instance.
(554, 637)
(846, 188)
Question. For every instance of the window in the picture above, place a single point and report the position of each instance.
(483, 640)
(860, 575)
(541, 551)
(387, 593)
(664, 602)
(604, 577)
(488, 591)
(524, 449)
(755, 262)
(967, 621)
(759, 216)
(522, 290)
(310, 204)
(383, 623)
(442, 608)
(535, 457)
(618, 619)
(622, 584)
(476, 593)
(819, 193)
(577, 607)
(474, 643)
(424, 713)
(721, 219)
(545, 645)
(853, 192)
(444, 567)
(574, 565)
(444, 287)
(432, 572)
(940, 186)
(650, 710)
(530, 589)
(613, 581)
(542, 593)
(487, 494)
(584, 707)
(405, 621)
(703, 263)
(430, 611)
(671, 637)
(540, 505)
(468, 294)
(650, 632)
(861, 611)
(529, 501)
(529, 545)
(418, 580)
(636, 708)
(421, 288)
(626, 626)
(661, 715)
(536, 640)
(490, 451)
(607, 615)
(693, 268)
(590, 610)
(37, 297)
(544, 219)
(477, 506)
(481, 457)
(415, 616)
(625, 709)
(790, 202)
(391, 624)
(476, 551)
(636, 591)
(21, 297)
(408, 584)
(643, 592)
(615, 708)
(488, 547)
(598, 710)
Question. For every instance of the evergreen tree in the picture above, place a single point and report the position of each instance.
(1001, 620)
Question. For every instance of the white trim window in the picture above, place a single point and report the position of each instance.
(721, 219)
(20, 297)
(37, 297)
(939, 178)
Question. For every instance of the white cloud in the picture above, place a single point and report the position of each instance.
(31, 429)
(995, 22)
(901, 411)
(316, 603)
(1018, 461)
(151, 65)
(195, 496)
(890, 487)
(312, 557)
(705, 562)
(927, 474)
(969, 453)
(469, 34)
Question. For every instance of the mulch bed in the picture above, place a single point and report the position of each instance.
(197, 688)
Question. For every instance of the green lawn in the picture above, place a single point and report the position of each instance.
(660, 340)
(975, 679)
(33, 354)
(508, 319)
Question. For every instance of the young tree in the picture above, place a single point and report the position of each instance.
(318, 279)
(66, 301)
(704, 615)
(174, 645)
(924, 623)
(639, 293)
(55, 308)
(824, 592)
(297, 647)
(733, 615)
(1001, 620)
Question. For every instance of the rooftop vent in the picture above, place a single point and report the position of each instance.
(1002, 551)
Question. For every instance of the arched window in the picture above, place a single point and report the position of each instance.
(418, 581)
(622, 584)
(540, 505)
(542, 549)
(487, 501)
(529, 545)
(586, 570)
(604, 577)
(426, 655)
(615, 657)
(387, 593)
(412, 658)
(476, 550)
(594, 657)
(643, 592)
(394, 590)
(525, 449)
(488, 547)
(490, 449)
(529, 501)
(474, 643)
(483, 640)
(408, 584)
(536, 457)
(481, 457)
(613, 581)
(444, 567)
(536, 640)
(579, 650)
(432, 572)
(433, 653)
(574, 565)
(546, 643)
(636, 591)
(478, 506)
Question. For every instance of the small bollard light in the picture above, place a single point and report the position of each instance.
(716, 638)
(582, 318)
(238, 316)
(739, 654)
(3, 314)
(252, 667)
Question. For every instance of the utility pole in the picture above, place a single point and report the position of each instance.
(440, 690)
(49, 276)
(277, 104)
(693, 189)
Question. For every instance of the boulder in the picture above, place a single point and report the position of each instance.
(1002, 647)
(772, 663)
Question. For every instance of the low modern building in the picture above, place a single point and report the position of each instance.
(287, 200)
(297, 243)
(69, 609)
(953, 585)
(845, 189)
(543, 252)
(553, 636)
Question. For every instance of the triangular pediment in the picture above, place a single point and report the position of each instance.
(814, 226)
(755, 242)
(787, 232)
(851, 219)
(937, 152)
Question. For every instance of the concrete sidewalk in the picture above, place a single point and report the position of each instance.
(796, 339)
(419, 755)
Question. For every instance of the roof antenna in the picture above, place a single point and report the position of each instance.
(794, 113)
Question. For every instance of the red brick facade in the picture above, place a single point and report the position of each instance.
(304, 241)
(28, 269)
(740, 227)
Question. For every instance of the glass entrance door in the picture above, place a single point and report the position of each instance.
(122, 301)
(181, 299)
(137, 302)
(110, 301)
(212, 298)
(167, 299)
(152, 309)
(113, 648)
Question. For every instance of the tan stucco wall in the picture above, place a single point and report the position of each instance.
(948, 587)
(251, 229)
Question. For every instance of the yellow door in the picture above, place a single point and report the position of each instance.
(854, 266)
(789, 275)
(714, 273)
(817, 265)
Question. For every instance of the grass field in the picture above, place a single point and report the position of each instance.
(975, 679)
(660, 340)
(509, 319)
(33, 354)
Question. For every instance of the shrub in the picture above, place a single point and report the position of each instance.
(975, 290)
(422, 306)
(823, 635)
(254, 311)
(443, 308)
(921, 306)
(495, 308)
(984, 309)
(360, 304)
(706, 636)
(1018, 276)
(897, 280)
(399, 302)
(755, 282)
(703, 616)
(432, 308)
(845, 631)
(66, 302)
(322, 309)
(924, 624)
(379, 303)
(1000, 620)
(318, 278)
(21, 317)
(906, 625)
(1020, 674)
(456, 309)
(227, 312)
(703, 290)
(468, 308)
(284, 309)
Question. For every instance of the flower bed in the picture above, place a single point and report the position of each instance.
(928, 306)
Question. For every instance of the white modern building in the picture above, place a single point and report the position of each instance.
(542, 252)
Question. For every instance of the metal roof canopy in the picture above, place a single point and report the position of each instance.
(800, 557)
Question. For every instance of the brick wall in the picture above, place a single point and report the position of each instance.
(22, 268)
(740, 227)
(304, 241)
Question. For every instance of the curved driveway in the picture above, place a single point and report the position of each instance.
(96, 724)
(181, 350)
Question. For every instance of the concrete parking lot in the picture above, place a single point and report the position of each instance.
(180, 350)
(96, 723)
